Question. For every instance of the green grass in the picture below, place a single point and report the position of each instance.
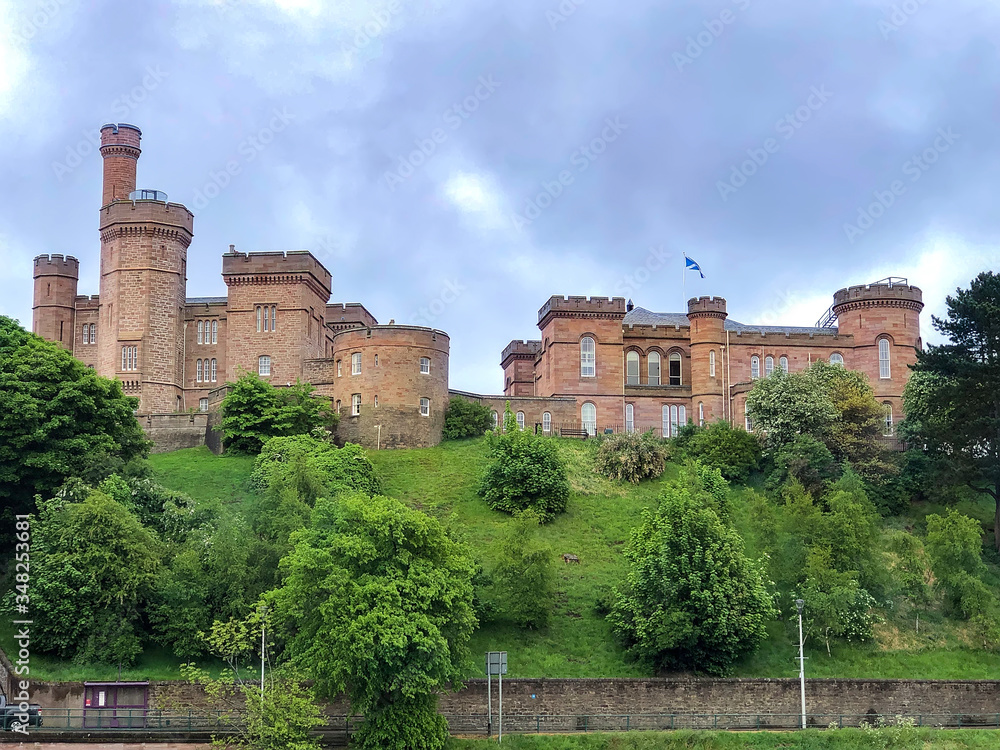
(840, 739)
(203, 475)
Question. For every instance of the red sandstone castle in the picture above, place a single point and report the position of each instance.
(390, 382)
(600, 364)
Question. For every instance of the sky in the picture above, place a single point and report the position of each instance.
(454, 163)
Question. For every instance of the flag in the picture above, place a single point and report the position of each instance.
(690, 265)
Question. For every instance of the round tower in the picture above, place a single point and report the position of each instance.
(707, 316)
(884, 320)
(144, 245)
(54, 308)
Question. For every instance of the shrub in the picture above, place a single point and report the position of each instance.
(520, 579)
(806, 459)
(525, 473)
(735, 453)
(631, 457)
(465, 419)
(316, 466)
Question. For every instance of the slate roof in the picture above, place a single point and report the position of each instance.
(205, 300)
(641, 316)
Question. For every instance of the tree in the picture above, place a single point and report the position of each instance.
(692, 599)
(736, 453)
(254, 411)
(58, 419)
(377, 603)
(93, 567)
(955, 547)
(836, 604)
(521, 575)
(806, 460)
(525, 473)
(465, 419)
(952, 399)
(784, 406)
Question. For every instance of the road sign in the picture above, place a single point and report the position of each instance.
(496, 662)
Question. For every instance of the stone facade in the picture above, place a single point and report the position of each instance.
(628, 368)
(174, 352)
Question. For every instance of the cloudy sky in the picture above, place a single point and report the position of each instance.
(456, 162)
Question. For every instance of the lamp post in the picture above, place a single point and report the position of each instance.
(263, 612)
(799, 604)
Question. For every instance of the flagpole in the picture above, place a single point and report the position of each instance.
(684, 276)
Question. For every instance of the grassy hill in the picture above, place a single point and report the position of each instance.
(442, 481)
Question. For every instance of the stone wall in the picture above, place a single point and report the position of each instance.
(170, 432)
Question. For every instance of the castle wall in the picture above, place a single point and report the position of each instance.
(53, 310)
(87, 314)
(206, 351)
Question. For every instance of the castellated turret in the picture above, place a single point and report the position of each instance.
(707, 316)
(53, 311)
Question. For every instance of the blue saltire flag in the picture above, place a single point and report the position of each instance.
(690, 265)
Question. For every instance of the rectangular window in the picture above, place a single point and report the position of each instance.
(203, 404)
(197, 378)
(356, 363)
(355, 404)
(130, 358)
(214, 364)
(674, 421)
(274, 317)
(665, 421)
(93, 333)
(201, 327)
(259, 329)
(339, 373)
(675, 369)
(632, 368)
(375, 402)
(215, 332)
(425, 366)
(264, 365)
(425, 408)
(711, 364)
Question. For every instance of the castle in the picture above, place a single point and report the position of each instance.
(600, 364)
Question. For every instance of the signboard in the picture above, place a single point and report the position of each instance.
(496, 662)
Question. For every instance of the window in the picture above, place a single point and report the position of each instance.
(665, 421)
(339, 373)
(768, 366)
(837, 359)
(93, 333)
(130, 358)
(496, 420)
(711, 364)
(425, 366)
(520, 420)
(546, 421)
(264, 365)
(375, 402)
(674, 423)
(203, 404)
(884, 370)
(85, 332)
(215, 332)
(629, 418)
(632, 368)
(674, 364)
(197, 377)
(588, 359)
(783, 364)
(425, 411)
(356, 363)
(355, 404)
(887, 408)
(201, 327)
(653, 368)
(701, 414)
(588, 415)
(754, 367)
(682, 415)
(749, 423)
(259, 309)
(274, 317)
(214, 369)
(338, 406)
(376, 360)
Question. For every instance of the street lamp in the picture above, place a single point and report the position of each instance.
(799, 604)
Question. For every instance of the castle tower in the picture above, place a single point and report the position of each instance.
(143, 277)
(54, 308)
(884, 319)
(518, 363)
(708, 337)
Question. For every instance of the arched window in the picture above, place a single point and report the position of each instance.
(632, 368)
(682, 415)
(754, 367)
(711, 364)
(674, 420)
(768, 366)
(629, 418)
(588, 415)
(496, 420)
(884, 369)
(198, 372)
(520, 420)
(588, 358)
(653, 368)
(783, 364)
(674, 365)
(215, 332)
(701, 414)
(214, 369)
(274, 317)
(264, 365)
(665, 421)
(546, 422)
(837, 359)
(201, 327)
(887, 410)
(749, 422)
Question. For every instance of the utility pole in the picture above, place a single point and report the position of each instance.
(799, 604)
(263, 611)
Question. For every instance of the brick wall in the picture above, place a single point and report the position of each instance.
(170, 432)
(55, 279)
(563, 410)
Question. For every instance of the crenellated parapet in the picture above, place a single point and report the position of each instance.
(581, 307)
(878, 295)
(294, 266)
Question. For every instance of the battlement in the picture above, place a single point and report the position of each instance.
(895, 295)
(57, 265)
(174, 215)
(585, 306)
(273, 267)
(714, 307)
(341, 314)
(520, 350)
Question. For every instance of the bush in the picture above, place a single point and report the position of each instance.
(520, 588)
(735, 453)
(316, 466)
(465, 419)
(631, 457)
(806, 459)
(525, 473)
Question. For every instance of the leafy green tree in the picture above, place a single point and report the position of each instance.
(58, 419)
(171, 514)
(316, 466)
(836, 604)
(692, 599)
(93, 567)
(955, 547)
(466, 419)
(631, 457)
(521, 575)
(377, 603)
(785, 406)
(736, 453)
(254, 411)
(525, 473)
(952, 399)
(805, 459)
